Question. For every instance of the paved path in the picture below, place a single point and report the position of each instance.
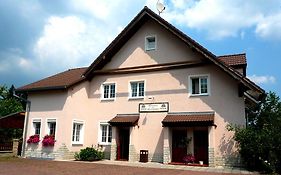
(46, 167)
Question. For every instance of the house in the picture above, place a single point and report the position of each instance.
(154, 89)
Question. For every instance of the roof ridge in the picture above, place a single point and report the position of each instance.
(235, 54)
(85, 67)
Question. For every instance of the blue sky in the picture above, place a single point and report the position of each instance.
(41, 38)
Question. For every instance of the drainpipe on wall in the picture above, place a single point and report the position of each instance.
(26, 118)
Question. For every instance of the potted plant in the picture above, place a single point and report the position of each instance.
(189, 158)
(33, 139)
(48, 140)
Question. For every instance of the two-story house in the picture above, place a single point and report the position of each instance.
(153, 88)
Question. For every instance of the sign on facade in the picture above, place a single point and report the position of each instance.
(154, 107)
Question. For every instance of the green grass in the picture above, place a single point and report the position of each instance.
(8, 159)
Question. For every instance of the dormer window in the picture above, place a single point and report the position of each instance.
(150, 43)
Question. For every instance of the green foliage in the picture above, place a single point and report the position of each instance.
(260, 142)
(9, 104)
(89, 154)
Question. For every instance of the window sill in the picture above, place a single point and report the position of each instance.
(76, 144)
(108, 99)
(104, 144)
(196, 95)
(152, 49)
(136, 98)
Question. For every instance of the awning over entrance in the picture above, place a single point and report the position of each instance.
(14, 120)
(189, 119)
(124, 120)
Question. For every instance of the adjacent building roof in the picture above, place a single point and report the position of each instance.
(124, 120)
(59, 81)
(189, 119)
(234, 60)
(14, 120)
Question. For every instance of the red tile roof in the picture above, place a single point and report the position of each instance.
(59, 81)
(233, 60)
(125, 120)
(189, 118)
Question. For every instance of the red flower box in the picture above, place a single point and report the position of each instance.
(33, 139)
(48, 140)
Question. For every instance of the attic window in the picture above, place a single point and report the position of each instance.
(150, 43)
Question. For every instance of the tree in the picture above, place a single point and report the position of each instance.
(9, 104)
(260, 142)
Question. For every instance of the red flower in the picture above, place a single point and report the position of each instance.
(48, 140)
(33, 139)
(189, 158)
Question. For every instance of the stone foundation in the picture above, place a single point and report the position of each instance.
(133, 156)
(62, 153)
(228, 161)
(167, 155)
(113, 152)
(211, 153)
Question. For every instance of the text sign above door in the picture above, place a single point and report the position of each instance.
(154, 107)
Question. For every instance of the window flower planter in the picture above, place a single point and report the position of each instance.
(48, 140)
(33, 139)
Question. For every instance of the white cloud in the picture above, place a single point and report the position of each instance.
(12, 59)
(70, 42)
(270, 27)
(264, 79)
(221, 18)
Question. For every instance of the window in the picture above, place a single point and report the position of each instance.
(77, 132)
(108, 91)
(137, 89)
(199, 85)
(105, 133)
(51, 126)
(150, 43)
(37, 126)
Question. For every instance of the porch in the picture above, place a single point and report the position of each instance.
(189, 136)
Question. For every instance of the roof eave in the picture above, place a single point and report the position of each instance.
(42, 89)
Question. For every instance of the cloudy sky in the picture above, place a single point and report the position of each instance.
(40, 38)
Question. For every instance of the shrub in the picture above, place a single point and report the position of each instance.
(48, 140)
(33, 139)
(89, 154)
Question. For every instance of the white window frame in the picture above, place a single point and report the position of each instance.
(81, 140)
(33, 128)
(100, 133)
(47, 130)
(146, 42)
(130, 89)
(208, 84)
(102, 91)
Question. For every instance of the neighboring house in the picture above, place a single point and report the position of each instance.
(153, 88)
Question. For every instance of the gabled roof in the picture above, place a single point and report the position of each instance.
(66, 79)
(146, 14)
(234, 60)
(59, 81)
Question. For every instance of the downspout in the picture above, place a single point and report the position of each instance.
(28, 105)
(26, 118)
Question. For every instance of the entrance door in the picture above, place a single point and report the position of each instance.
(201, 146)
(179, 146)
(123, 145)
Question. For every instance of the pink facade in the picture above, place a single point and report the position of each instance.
(84, 104)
